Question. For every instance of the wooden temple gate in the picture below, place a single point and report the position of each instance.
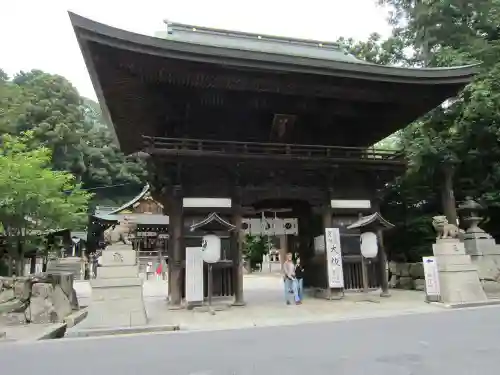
(275, 122)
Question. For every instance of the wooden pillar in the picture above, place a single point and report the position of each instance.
(304, 246)
(176, 249)
(382, 260)
(238, 238)
(381, 255)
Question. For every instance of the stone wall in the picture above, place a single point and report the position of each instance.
(40, 298)
(409, 276)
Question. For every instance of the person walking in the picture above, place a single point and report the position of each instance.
(299, 276)
(290, 282)
(159, 272)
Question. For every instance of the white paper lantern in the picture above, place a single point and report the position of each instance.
(211, 245)
(369, 246)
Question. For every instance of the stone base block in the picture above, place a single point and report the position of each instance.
(117, 272)
(448, 247)
(491, 288)
(461, 287)
(488, 266)
(116, 303)
(119, 256)
(480, 246)
(447, 265)
(458, 277)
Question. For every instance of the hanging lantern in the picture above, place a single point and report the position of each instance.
(369, 246)
(211, 248)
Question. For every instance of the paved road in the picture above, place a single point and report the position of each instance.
(463, 342)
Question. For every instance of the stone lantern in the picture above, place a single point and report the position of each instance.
(476, 240)
(470, 211)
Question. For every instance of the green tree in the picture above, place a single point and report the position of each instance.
(455, 145)
(463, 135)
(33, 197)
(3, 76)
(254, 249)
(55, 117)
(12, 104)
(72, 128)
(376, 50)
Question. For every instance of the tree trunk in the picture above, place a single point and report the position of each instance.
(20, 266)
(447, 194)
(9, 266)
(20, 258)
(33, 264)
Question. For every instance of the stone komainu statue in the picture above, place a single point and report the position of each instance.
(119, 233)
(445, 229)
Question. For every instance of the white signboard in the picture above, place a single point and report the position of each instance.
(211, 246)
(431, 273)
(194, 274)
(334, 258)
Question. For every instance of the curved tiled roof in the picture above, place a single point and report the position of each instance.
(187, 42)
(130, 203)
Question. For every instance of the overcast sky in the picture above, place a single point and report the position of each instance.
(38, 34)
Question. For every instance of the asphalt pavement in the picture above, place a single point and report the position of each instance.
(458, 342)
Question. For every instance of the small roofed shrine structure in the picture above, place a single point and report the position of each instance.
(374, 224)
(152, 225)
(222, 270)
(231, 120)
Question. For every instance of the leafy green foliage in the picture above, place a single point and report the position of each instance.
(464, 132)
(56, 150)
(72, 128)
(376, 50)
(33, 197)
(254, 249)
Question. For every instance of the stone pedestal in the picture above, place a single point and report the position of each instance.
(477, 244)
(485, 255)
(117, 299)
(458, 276)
